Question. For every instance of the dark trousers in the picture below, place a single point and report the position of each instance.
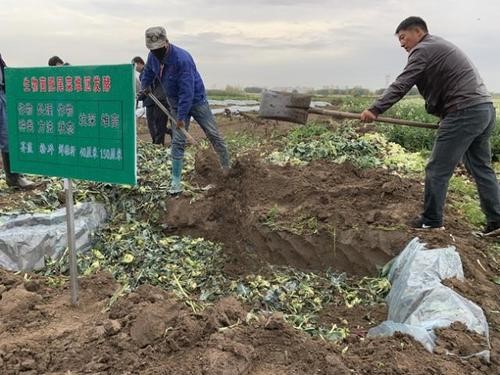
(157, 124)
(4, 144)
(463, 135)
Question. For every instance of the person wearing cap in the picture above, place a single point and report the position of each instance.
(186, 95)
(12, 179)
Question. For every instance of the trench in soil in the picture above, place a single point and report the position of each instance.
(258, 214)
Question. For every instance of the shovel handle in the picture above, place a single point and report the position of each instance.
(160, 105)
(357, 116)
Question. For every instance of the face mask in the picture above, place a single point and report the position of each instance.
(159, 53)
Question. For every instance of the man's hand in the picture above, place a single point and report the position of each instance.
(368, 116)
(180, 124)
(143, 94)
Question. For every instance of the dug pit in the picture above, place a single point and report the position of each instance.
(316, 217)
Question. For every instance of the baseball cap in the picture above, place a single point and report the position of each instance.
(156, 37)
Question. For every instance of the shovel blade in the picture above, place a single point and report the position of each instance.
(285, 106)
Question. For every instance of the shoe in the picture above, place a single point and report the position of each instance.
(23, 183)
(419, 223)
(491, 230)
(15, 179)
(175, 184)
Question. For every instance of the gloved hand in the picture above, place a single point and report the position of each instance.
(143, 94)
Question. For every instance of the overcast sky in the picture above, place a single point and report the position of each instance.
(268, 43)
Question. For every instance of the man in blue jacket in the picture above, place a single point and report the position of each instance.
(186, 95)
(12, 179)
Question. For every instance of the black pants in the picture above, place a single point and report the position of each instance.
(462, 135)
(157, 124)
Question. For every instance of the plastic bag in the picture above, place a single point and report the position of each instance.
(418, 303)
(25, 240)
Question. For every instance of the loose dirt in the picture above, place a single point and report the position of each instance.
(149, 332)
(312, 218)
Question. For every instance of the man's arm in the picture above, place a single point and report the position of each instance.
(186, 91)
(399, 88)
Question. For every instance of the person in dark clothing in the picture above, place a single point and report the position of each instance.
(56, 61)
(12, 179)
(454, 91)
(157, 120)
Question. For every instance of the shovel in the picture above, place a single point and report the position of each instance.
(296, 108)
(188, 136)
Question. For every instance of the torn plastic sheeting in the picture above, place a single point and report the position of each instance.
(442, 306)
(25, 240)
(235, 106)
(418, 301)
(415, 272)
(232, 102)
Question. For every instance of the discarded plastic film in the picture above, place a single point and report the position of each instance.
(418, 302)
(26, 240)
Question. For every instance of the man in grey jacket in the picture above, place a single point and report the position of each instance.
(454, 91)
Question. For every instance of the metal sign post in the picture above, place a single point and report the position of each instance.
(74, 122)
(70, 220)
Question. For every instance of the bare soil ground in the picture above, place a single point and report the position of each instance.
(149, 332)
(319, 217)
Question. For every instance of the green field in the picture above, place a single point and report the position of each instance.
(410, 108)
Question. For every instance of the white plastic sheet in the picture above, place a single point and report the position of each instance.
(418, 303)
(25, 240)
(235, 106)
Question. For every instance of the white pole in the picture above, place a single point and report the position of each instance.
(70, 219)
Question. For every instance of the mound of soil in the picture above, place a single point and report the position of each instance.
(312, 218)
(261, 213)
(150, 332)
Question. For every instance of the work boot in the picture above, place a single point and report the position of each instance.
(175, 184)
(15, 179)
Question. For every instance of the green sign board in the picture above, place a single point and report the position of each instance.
(73, 122)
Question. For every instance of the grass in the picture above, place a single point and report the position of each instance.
(465, 200)
(231, 94)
